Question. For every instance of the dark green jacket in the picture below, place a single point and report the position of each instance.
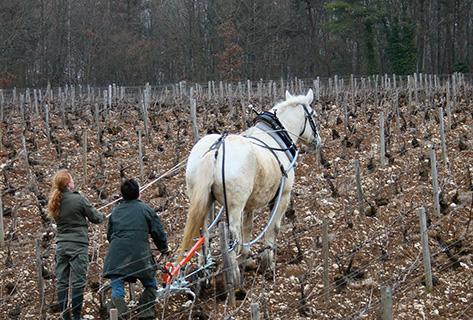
(129, 227)
(72, 223)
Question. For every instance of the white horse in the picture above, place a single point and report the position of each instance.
(252, 165)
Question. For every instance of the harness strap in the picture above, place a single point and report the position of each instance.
(266, 146)
(216, 146)
(224, 185)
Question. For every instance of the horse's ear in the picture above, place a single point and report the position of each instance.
(310, 96)
(288, 95)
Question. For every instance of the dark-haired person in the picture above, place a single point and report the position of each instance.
(70, 210)
(129, 256)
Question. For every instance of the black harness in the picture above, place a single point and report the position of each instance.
(271, 120)
(308, 117)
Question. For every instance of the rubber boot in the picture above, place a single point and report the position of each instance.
(120, 304)
(62, 302)
(146, 304)
(77, 301)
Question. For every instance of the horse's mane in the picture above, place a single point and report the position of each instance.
(295, 100)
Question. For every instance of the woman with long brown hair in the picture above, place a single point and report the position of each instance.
(71, 211)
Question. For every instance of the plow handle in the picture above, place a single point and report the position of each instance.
(172, 271)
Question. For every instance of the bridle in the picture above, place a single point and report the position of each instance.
(309, 117)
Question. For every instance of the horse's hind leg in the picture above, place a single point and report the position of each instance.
(247, 229)
(267, 259)
(205, 232)
(203, 280)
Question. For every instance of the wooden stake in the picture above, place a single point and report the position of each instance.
(425, 250)
(85, 156)
(73, 98)
(283, 88)
(2, 102)
(409, 92)
(345, 118)
(336, 90)
(22, 107)
(2, 231)
(382, 148)
(195, 128)
(28, 98)
(105, 96)
(14, 95)
(254, 311)
(386, 303)
(396, 109)
(146, 103)
(325, 254)
(214, 92)
(25, 151)
(435, 184)
(39, 270)
(209, 91)
(109, 96)
(113, 314)
(220, 85)
(97, 122)
(248, 87)
(318, 155)
(260, 91)
(46, 120)
(416, 97)
(442, 138)
(359, 190)
(35, 97)
(140, 152)
(228, 265)
(449, 108)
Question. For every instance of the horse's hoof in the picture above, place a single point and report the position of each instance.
(240, 294)
(267, 262)
(268, 275)
(250, 265)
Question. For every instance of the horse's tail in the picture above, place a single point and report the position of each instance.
(200, 202)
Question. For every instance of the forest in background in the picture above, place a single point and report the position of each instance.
(131, 42)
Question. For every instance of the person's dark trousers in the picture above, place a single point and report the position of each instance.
(147, 299)
(72, 261)
(62, 296)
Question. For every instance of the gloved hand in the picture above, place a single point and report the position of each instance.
(165, 254)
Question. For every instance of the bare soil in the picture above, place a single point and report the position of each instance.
(367, 250)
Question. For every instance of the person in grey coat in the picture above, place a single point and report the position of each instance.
(129, 256)
(71, 212)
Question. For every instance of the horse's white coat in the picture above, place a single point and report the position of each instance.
(252, 176)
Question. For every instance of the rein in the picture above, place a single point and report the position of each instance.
(146, 186)
(216, 146)
(308, 117)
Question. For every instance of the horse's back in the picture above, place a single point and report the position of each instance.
(238, 156)
(235, 158)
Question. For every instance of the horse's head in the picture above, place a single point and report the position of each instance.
(309, 130)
